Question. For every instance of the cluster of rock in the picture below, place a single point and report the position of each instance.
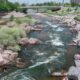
(75, 70)
(15, 14)
(29, 28)
(74, 26)
(8, 58)
(31, 41)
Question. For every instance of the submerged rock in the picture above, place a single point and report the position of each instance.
(20, 63)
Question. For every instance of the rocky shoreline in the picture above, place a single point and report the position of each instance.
(9, 57)
(74, 26)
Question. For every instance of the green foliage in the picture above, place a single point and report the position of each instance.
(27, 19)
(6, 6)
(18, 21)
(74, 4)
(67, 4)
(12, 18)
(63, 12)
(14, 48)
(77, 18)
(69, 9)
(10, 37)
(24, 10)
(76, 8)
(47, 4)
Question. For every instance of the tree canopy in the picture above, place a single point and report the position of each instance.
(5, 5)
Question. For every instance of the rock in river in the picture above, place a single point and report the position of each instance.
(8, 57)
(23, 41)
(32, 41)
(20, 63)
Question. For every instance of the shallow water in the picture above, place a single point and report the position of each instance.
(52, 55)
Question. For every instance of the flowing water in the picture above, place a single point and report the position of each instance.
(52, 55)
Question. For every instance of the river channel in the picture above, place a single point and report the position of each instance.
(53, 54)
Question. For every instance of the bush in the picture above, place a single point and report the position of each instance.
(77, 18)
(69, 10)
(14, 48)
(18, 21)
(27, 19)
(9, 37)
(12, 18)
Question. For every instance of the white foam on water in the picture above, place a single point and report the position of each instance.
(51, 58)
(26, 78)
(51, 25)
(56, 42)
(51, 35)
(60, 29)
(40, 53)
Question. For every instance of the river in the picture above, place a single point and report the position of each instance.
(53, 54)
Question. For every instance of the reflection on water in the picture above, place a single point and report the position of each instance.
(52, 55)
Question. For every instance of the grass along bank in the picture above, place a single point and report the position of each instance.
(63, 12)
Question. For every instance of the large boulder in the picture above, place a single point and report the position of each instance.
(8, 57)
(33, 41)
(74, 71)
(23, 41)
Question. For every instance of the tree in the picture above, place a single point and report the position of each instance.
(5, 5)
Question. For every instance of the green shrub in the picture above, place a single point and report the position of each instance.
(77, 18)
(69, 9)
(18, 21)
(14, 48)
(27, 19)
(10, 37)
(12, 18)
